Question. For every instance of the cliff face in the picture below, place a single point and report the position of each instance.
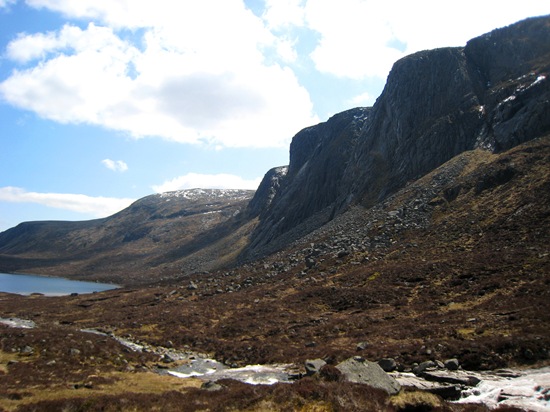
(318, 159)
(493, 94)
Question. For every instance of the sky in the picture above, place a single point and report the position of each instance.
(103, 102)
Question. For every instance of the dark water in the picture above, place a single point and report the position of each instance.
(27, 284)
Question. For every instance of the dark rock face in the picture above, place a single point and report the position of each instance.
(491, 94)
(318, 159)
(266, 191)
(426, 115)
(511, 67)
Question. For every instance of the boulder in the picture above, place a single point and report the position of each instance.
(27, 350)
(452, 364)
(310, 262)
(452, 377)
(388, 364)
(313, 366)
(359, 370)
(420, 369)
(211, 386)
(166, 358)
(445, 390)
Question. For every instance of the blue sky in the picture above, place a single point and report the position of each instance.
(103, 102)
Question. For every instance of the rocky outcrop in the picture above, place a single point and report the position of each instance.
(261, 202)
(318, 159)
(493, 94)
(360, 370)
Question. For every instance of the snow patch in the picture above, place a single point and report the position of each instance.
(540, 79)
(195, 194)
(18, 323)
(212, 212)
(524, 87)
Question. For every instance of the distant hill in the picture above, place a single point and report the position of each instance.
(172, 232)
(438, 107)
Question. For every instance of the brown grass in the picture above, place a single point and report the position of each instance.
(415, 399)
(113, 384)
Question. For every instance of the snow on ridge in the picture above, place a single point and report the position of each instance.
(523, 87)
(194, 194)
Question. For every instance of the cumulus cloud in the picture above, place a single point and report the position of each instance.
(196, 76)
(115, 165)
(95, 206)
(284, 13)
(363, 38)
(207, 181)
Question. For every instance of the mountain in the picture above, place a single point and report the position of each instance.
(170, 232)
(490, 96)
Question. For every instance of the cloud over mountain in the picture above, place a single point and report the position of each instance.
(207, 181)
(97, 206)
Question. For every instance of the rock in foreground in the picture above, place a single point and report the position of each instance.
(359, 370)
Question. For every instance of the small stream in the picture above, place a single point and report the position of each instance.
(192, 364)
(212, 370)
(528, 389)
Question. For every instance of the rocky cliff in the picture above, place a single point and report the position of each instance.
(492, 94)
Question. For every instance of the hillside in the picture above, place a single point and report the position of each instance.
(170, 232)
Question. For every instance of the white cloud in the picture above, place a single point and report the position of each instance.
(207, 181)
(283, 13)
(363, 99)
(195, 76)
(115, 165)
(353, 37)
(363, 38)
(95, 206)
